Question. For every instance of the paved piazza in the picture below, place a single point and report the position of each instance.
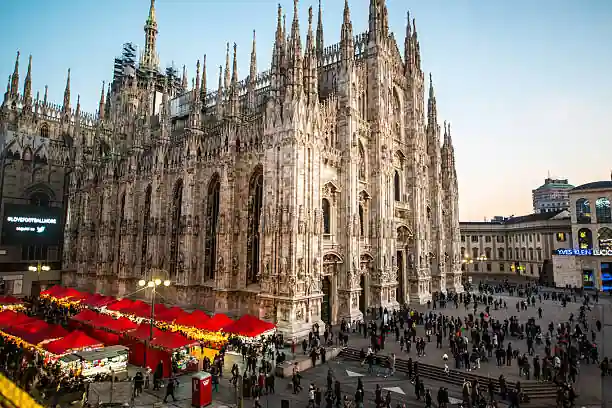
(588, 386)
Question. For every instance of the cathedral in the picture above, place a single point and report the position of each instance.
(305, 193)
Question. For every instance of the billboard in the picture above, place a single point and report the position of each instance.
(32, 225)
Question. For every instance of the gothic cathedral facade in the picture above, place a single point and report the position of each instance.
(308, 192)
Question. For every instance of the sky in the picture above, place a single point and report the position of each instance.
(526, 84)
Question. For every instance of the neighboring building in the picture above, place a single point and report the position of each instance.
(588, 262)
(515, 246)
(35, 161)
(305, 193)
(552, 196)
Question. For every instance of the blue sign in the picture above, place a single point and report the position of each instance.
(583, 252)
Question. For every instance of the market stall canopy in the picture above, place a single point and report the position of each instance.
(171, 341)
(249, 326)
(196, 319)
(86, 315)
(37, 332)
(52, 291)
(10, 300)
(143, 332)
(70, 293)
(102, 321)
(217, 323)
(120, 305)
(171, 315)
(138, 309)
(98, 301)
(77, 340)
(119, 325)
(17, 319)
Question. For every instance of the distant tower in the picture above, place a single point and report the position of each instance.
(149, 58)
(552, 196)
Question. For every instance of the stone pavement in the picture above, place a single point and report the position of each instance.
(551, 312)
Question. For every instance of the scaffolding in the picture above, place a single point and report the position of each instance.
(124, 64)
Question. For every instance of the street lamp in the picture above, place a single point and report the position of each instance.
(152, 284)
(39, 268)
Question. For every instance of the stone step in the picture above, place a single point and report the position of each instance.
(534, 390)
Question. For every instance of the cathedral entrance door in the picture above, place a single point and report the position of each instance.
(362, 295)
(326, 304)
(399, 294)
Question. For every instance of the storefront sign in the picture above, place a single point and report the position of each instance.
(584, 252)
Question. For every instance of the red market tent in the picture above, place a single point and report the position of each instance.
(249, 326)
(10, 300)
(122, 305)
(70, 293)
(171, 315)
(8, 315)
(99, 301)
(120, 325)
(171, 341)
(37, 332)
(18, 319)
(86, 315)
(217, 323)
(143, 332)
(52, 291)
(77, 340)
(196, 319)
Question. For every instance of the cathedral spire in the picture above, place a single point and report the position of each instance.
(15, 77)
(227, 78)
(234, 83)
(320, 42)
(184, 83)
(347, 49)
(66, 106)
(77, 112)
(149, 57)
(295, 49)
(197, 78)
(252, 76)
(203, 84)
(220, 94)
(107, 107)
(432, 110)
(102, 104)
(27, 86)
(408, 48)
(310, 63)
(253, 66)
(46, 96)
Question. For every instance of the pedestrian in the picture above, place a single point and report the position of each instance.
(170, 390)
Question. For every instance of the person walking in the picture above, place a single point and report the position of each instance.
(170, 390)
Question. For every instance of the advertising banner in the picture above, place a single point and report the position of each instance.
(32, 225)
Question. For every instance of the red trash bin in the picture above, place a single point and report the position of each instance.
(201, 389)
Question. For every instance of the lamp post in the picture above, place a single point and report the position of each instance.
(152, 284)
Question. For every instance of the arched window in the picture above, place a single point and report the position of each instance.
(44, 130)
(212, 223)
(500, 253)
(361, 229)
(145, 228)
(583, 211)
(585, 239)
(175, 227)
(463, 253)
(326, 216)
(121, 222)
(604, 238)
(39, 199)
(253, 238)
(488, 253)
(602, 210)
(396, 186)
(362, 163)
